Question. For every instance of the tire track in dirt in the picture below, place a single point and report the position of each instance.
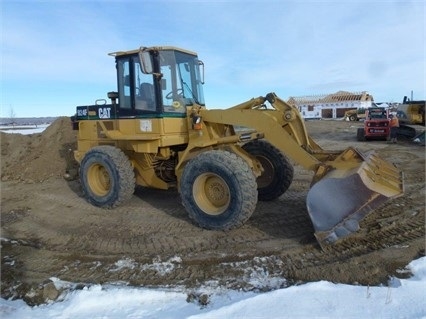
(268, 232)
(149, 230)
(151, 241)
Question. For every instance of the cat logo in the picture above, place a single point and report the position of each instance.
(104, 113)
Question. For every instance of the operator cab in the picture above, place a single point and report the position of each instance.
(158, 81)
(376, 113)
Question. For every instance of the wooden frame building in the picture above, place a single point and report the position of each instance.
(331, 105)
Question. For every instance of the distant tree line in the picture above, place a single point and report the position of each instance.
(26, 120)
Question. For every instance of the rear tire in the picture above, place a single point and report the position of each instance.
(106, 176)
(278, 172)
(353, 118)
(218, 189)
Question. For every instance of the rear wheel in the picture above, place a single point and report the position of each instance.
(353, 118)
(106, 176)
(218, 190)
(278, 172)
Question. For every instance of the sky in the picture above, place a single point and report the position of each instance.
(400, 298)
(54, 54)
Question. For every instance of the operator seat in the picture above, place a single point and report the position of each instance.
(146, 98)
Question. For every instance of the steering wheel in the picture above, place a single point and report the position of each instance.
(169, 95)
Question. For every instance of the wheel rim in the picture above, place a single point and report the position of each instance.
(211, 193)
(268, 172)
(98, 180)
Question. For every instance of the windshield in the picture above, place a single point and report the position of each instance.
(181, 81)
(377, 113)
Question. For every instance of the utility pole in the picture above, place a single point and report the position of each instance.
(12, 115)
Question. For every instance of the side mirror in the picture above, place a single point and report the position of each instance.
(201, 63)
(146, 62)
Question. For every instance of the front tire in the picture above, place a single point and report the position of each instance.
(278, 172)
(218, 189)
(106, 176)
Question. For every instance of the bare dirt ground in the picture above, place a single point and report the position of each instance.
(49, 230)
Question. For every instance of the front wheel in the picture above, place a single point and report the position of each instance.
(106, 176)
(218, 189)
(277, 172)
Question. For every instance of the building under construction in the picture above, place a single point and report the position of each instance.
(331, 105)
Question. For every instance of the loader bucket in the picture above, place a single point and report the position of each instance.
(357, 185)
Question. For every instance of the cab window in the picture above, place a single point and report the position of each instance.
(135, 89)
(144, 88)
(124, 94)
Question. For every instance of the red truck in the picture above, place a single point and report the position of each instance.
(376, 124)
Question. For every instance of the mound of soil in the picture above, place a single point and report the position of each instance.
(38, 157)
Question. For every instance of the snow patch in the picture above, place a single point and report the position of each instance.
(160, 267)
(124, 263)
(163, 268)
(312, 300)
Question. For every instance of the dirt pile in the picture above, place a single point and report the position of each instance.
(38, 157)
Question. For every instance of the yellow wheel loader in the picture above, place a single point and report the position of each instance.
(355, 115)
(156, 132)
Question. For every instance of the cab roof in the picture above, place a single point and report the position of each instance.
(155, 48)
